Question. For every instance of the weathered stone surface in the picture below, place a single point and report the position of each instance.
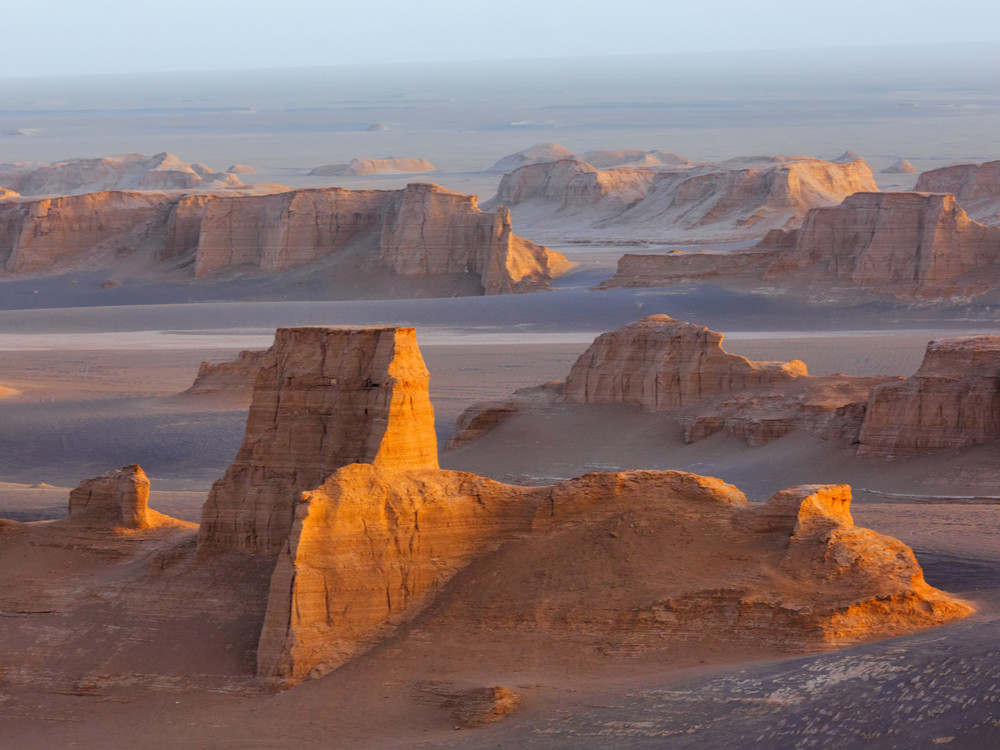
(538, 153)
(738, 199)
(976, 186)
(325, 398)
(359, 167)
(116, 500)
(953, 401)
(127, 172)
(661, 363)
(484, 416)
(370, 547)
(902, 243)
(422, 231)
(234, 378)
(678, 267)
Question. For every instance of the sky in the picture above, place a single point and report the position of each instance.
(60, 37)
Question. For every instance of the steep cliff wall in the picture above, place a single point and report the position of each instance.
(953, 401)
(325, 398)
(903, 243)
(976, 186)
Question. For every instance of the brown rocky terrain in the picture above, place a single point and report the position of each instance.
(116, 500)
(908, 245)
(233, 379)
(733, 200)
(976, 186)
(413, 233)
(953, 401)
(127, 172)
(663, 365)
(359, 167)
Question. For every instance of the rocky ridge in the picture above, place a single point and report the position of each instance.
(360, 167)
(417, 232)
(734, 200)
(127, 172)
(976, 186)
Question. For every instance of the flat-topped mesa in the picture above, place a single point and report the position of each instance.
(118, 499)
(976, 186)
(360, 167)
(662, 363)
(906, 243)
(325, 397)
(953, 401)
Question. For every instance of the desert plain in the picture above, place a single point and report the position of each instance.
(98, 356)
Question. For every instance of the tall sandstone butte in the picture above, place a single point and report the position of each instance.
(325, 397)
(953, 401)
(662, 363)
(977, 187)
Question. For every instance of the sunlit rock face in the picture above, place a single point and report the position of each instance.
(662, 363)
(976, 186)
(325, 398)
(953, 401)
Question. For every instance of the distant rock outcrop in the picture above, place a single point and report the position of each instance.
(117, 500)
(417, 232)
(907, 245)
(976, 186)
(128, 172)
(734, 200)
(542, 152)
(953, 401)
(5, 193)
(241, 169)
(661, 363)
(359, 167)
(325, 398)
(634, 157)
(233, 379)
(900, 166)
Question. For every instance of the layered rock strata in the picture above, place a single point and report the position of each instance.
(953, 401)
(118, 499)
(325, 398)
(661, 363)
(901, 244)
(735, 200)
(419, 232)
(976, 186)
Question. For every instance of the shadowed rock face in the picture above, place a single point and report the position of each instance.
(419, 232)
(234, 378)
(662, 363)
(953, 401)
(325, 398)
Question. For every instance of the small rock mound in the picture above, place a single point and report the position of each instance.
(241, 169)
(232, 379)
(361, 167)
(901, 166)
(118, 499)
(537, 154)
(479, 706)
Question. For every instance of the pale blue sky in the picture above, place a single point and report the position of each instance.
(57, 37)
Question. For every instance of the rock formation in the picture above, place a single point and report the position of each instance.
(634, 157)
(976, 186)
(233, 379)
(537, 154)
(241, 169)
(664, 365)
(418, 232)
(360, 167)
(908, 245)
(953, 401)
(128, 172)
(5, 193)
(661, 363)
(116, 500)
(900, 166)
(734, 200)
(325, 398)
